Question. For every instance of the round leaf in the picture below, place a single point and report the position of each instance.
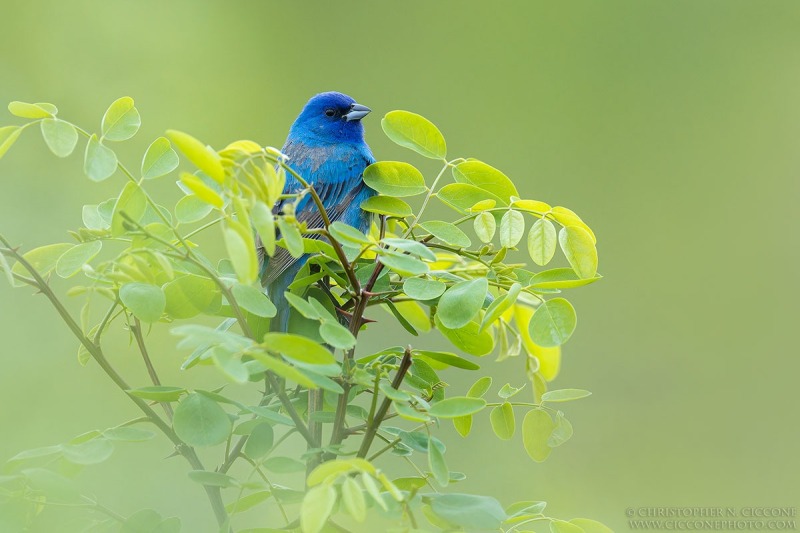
(61, 137)
(73, 259)
(254, 300)
(537, 426)
(565, 395)
(468, 338)
(199, 154)
(160, 159)
(423, 289)
(462, 302)
(299, 348)
(414, 132)
(502, 419)
(26, 110)
(553, 323)
(387, 205)
(468, 510)
(200, 421)
(146, 302)
(486, 177)
(317, 507)
(485, 226)
(121, 121)
(457, 406)
(394, 178)
(190, 209)
(512, 228)
(447, 233)
(99, 162)
(463, 196)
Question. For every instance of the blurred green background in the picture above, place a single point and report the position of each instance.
(672, 127)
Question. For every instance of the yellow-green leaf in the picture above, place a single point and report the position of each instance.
(100, 162)
(387, 205)
(578, 246)
(203, 157)
(121, 120)
(512, 228)
(26, 110)
(264, 222)
(133, 202)
(201, 190)
(462, 196)
(502, 419)
(61, 137)
(567, 217)
(485, 226)
(415, 132)
(542, 241)
(241, 252)
(486, 177)
(160, 159)
(394, 178)
(553, 323)
(8, 136)
(536, 429)
(317, 507)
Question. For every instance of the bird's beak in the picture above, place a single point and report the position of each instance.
(357, 112)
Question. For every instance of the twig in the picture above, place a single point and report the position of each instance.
(136, 328)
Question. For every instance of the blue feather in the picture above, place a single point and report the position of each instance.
(326, 147)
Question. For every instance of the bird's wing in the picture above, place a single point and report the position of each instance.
(339, 185)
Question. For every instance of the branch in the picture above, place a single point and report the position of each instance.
(375, 423)
(136, 328)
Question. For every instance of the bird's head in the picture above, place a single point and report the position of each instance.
(330, 117)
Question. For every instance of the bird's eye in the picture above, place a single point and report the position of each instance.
(329, 112)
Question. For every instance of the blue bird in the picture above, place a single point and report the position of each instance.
(326, 147)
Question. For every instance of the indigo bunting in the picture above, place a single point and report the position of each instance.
(326, 147)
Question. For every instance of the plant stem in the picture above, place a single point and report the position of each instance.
(136, 328)
(94, 349)
(372, 427)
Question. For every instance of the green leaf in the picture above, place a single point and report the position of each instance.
(542, 241)
(348, 235)
(552, 323)
(387, 205)
(507, 391)
(462, 302)
(394, 178)
(8, 136)
(202, 156)
(468, 510)
(559, 278)
(353, 499)
(298, 348)
(241, 254)
(403, 264)
(264, 223)
(561, 526)
(479, 388)
(502, 419)
(468, 338)
(213, 479)
(284, 465)
(90, 452)
(590, 526)
(447, 233)
(190, 209)
(284, 370)
(73, 259)
(133, 202)
(562, 431)
(500, 305)
(190, 295)
(457, 406)
(414, 132)
(411, 246)
(578, 246)
(248, 502)
(159, 393)
(537, 426)
(260, 441)
(253, 300)
(146, 302)
(128, 434)
(512, 228)
(485, 226)
(423, 289)
(54, 486)
(201, 190)
(566, 217)
(446, 358)
(486, 177)
(200, 421)
(438, 466)
(292, 239)
(337, 335)
(61, 137)
(42, 259)
(159, 160)
(463, 425)
(26, 110)
(565, 395)
(100, 162)
(317, 507)
(462, 196)
(121, 121)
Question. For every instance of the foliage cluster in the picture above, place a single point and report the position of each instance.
(135, 264)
